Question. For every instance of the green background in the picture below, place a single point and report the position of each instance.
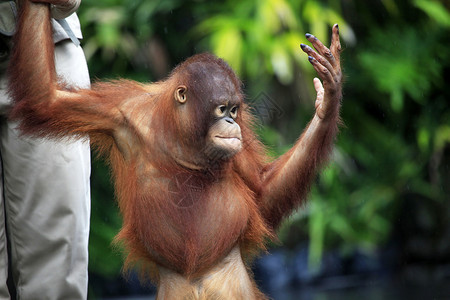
(390, 173)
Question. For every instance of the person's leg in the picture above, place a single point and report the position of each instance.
(4, 293)
(5, 103)
(47, 200)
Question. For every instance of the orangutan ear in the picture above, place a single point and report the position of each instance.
(180, 94)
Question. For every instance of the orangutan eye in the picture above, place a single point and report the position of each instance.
(220, 110)
(233, 112)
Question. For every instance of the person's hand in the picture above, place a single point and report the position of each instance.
(64, 3)
(61, 8)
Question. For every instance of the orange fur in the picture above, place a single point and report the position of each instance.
(187, 228)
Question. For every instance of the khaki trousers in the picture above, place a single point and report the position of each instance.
(45, 202)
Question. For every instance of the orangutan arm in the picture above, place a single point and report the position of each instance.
(287, 180)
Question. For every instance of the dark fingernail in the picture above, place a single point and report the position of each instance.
(337, 27)
(311, 59)
(302, 46)
(308, 35)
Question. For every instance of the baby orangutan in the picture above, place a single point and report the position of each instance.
(196, 190)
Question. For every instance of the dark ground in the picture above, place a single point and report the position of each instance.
(284, 275)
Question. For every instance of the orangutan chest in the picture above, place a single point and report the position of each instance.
(192, 222)
(209, 208)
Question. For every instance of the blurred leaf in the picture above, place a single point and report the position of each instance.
(227, 44)
(442, 137)
(317, 226)
(423, 139)
(391, 6)
(341, 225)
(435, 10)
(282, 64)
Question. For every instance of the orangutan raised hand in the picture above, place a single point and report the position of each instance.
(327, 64)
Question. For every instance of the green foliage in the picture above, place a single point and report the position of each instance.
(435, 10)
(105, 223)
(116, 31)
(394, 147)
(397, 66)
(260, 38)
